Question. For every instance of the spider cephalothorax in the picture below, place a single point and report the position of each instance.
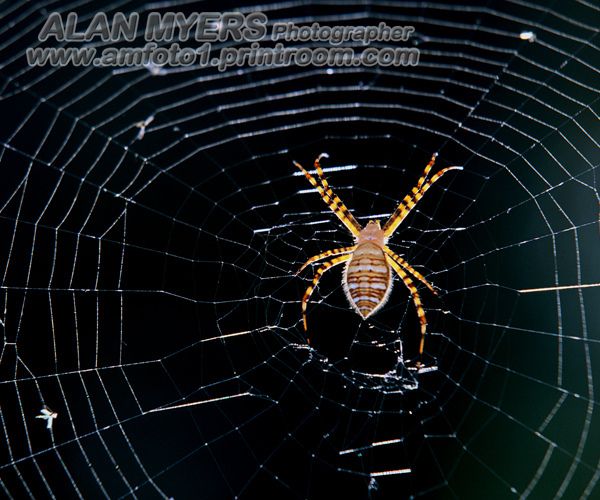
(369, 262)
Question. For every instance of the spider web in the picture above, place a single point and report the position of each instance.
(147, 287)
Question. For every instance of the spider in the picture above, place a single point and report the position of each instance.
(367, 279)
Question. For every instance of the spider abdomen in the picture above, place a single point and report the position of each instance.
(367, 280)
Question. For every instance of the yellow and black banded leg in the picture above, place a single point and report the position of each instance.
(324, 267)
(328, 253)
(410, 201)
(332, 200)
(410, 269)
(428, 168)
(416, 299)
(402, 209)
(320, 173)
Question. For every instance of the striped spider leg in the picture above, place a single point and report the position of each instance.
(367, 280)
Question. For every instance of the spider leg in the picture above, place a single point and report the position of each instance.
(328, 253)
(324, 267)
(416, 299)
(320, 173)
(428, 168)
(402, 210)
(330, 198)
(399, 260)
(412, 198)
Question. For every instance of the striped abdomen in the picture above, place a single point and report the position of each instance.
(368, 279)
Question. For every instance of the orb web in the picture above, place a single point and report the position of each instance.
(148, 296)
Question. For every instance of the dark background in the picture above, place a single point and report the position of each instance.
(126, 265)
